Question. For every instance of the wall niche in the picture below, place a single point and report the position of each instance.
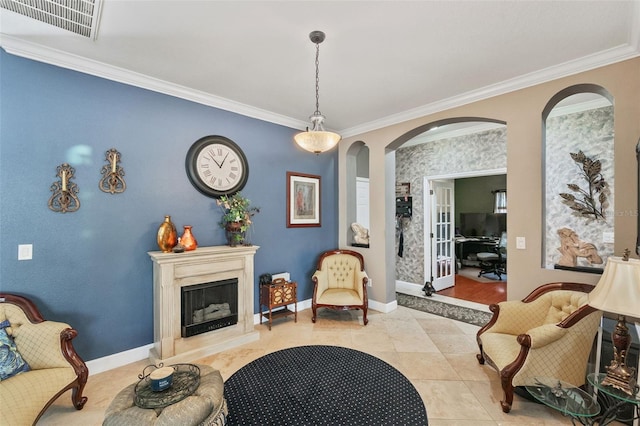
(578, 179)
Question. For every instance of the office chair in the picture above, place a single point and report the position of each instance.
(495, 262)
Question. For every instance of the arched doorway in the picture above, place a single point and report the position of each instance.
(442, 151)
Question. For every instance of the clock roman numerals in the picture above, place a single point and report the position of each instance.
(217, 166)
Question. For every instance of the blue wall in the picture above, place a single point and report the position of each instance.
(90, 268)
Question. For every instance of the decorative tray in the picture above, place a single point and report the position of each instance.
(186, 379)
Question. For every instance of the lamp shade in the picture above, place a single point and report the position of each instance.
(317, 141)
(618, 290)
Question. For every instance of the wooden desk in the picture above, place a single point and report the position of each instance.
(467, 246)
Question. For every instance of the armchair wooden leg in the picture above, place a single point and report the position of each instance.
(313, 317)
(77, 398)
(507, 387)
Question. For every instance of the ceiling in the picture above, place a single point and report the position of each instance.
(382, 62)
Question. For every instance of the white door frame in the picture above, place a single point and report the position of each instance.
(426, 184)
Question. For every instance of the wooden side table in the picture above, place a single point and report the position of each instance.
(278, 294)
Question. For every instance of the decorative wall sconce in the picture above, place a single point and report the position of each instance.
(64, 198)
(113, 180)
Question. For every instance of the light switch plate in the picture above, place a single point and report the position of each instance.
(521, 243)
(25, 251)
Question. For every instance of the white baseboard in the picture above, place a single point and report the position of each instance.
(119, 359)
(385, 308)
(109, 362)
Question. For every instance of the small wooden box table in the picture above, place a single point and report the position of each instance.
(278, 294)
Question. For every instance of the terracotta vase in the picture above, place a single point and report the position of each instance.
(234, 233)
(187, 240)
(167, 235)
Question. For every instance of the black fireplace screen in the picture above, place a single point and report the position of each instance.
(209, 306)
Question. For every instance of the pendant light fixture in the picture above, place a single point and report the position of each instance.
(317, 139)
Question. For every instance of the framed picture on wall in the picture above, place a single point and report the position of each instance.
(303, 200)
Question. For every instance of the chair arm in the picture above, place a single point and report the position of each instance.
(320, 280)
(361, 282)
(541, 336)
(42, 344)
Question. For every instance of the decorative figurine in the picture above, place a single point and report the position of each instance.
(571, 248)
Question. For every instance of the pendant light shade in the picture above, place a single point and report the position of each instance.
(316, 139)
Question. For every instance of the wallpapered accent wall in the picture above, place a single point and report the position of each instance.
(592, 133)
(476, 152)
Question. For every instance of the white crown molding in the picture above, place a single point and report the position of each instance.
(586, 63)
(37, 52)
(55, 57)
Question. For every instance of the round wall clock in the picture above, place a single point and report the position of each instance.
(216, 166)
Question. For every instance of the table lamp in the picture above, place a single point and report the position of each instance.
(618, 291)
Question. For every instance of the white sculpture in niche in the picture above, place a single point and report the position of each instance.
(571, 247)
(360, 233)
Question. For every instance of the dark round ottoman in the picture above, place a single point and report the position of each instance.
(205, 407)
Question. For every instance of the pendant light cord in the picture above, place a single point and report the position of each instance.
(317, 79)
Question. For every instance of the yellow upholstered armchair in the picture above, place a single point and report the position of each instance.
(54, 365)
(340, 282)
(549, 333)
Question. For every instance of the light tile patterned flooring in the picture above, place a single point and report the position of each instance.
(435, 353)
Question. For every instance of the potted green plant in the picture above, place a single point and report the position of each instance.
(236, 217)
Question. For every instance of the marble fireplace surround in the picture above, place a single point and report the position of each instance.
(171, 272)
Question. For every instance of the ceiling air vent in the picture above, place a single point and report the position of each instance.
(78, 16)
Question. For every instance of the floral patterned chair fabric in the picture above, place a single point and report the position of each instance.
(548, 334)
(54, 366)
(340, 282)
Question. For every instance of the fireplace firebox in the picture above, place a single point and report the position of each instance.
(209, 306)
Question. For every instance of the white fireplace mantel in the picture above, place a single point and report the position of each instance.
(171, 272)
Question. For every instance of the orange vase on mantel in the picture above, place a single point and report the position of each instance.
(187, 240)
(167, 235)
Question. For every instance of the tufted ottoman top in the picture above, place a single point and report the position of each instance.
(206, 406)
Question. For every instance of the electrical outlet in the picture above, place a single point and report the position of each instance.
(521, 243)
(370, 283)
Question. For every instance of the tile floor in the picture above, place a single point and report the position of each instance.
(435, 353)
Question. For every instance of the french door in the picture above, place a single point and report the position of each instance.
(442, 234)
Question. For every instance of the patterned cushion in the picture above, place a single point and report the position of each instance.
(11, 362)
(562, 303)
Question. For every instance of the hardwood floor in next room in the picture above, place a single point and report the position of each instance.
(485, 291)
